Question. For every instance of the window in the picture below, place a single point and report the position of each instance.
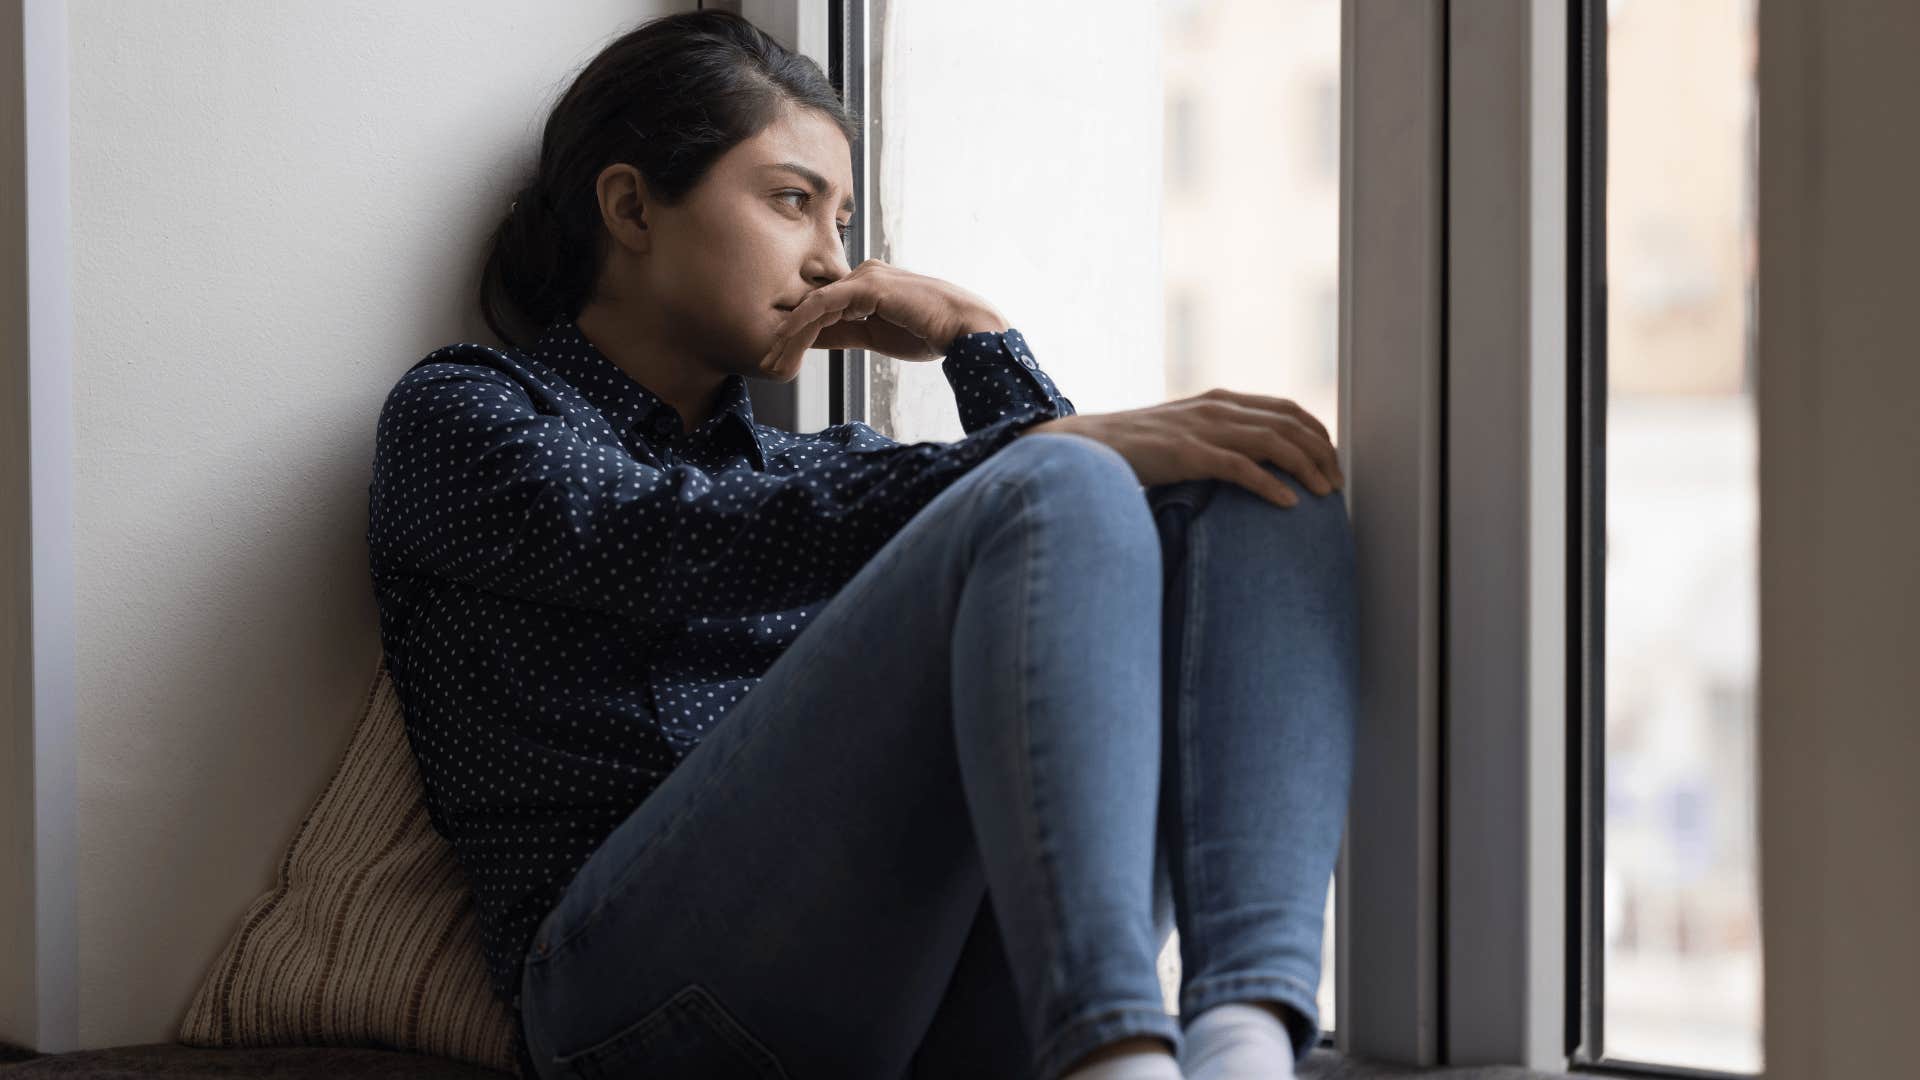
(1142, 191)
(1682, 979)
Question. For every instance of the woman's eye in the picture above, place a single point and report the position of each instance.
(804, 196)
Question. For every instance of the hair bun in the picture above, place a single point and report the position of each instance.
(669, 97)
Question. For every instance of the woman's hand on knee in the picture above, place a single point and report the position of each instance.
(1218, 434)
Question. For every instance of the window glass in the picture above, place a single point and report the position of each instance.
(1682, 982)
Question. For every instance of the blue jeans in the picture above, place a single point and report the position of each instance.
(945, 834)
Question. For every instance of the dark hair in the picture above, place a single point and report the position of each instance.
(668, 97)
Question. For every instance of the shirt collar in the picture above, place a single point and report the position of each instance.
(630, 406)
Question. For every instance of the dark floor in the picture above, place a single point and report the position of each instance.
(1328, 1064)
(179, 1062)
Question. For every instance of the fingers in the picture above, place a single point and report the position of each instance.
(804, 314)
(1270, 444)
(855, 290)
(1224, 464)
(790, 348)
(1285, 406)
(1292, 424)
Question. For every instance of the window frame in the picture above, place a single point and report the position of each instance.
(1586, 740)
(849, 65)
(1517, 470)
(1507, 506)
(1390, 917)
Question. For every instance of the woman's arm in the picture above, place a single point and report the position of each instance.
(472, 483)
(994, 374)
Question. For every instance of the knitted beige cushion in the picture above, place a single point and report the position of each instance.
(370, 936)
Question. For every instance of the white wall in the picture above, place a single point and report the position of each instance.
(276, 209)
(1012, 166)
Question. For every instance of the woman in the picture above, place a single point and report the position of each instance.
(818, 755)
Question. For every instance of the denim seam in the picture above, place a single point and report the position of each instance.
(1166, 1026)
(1191, 631)
(1036, 821)
(765, 1062)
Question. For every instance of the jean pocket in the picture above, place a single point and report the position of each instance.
(689, 1035)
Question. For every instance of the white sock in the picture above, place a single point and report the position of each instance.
(1237, 1041)
(1155, 1064)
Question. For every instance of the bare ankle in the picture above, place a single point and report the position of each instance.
(1132, 1044)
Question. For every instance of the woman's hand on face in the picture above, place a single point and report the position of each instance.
(882, 308)
(1220, 434)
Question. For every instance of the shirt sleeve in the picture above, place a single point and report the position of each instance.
(472, 483)
(993, 374)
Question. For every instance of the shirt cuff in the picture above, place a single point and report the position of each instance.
(986, 348)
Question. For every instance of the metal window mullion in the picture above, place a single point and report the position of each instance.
(1388, 915)
(851, 71)
(1587, 479)
(1505, 707)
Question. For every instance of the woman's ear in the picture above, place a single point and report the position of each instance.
(622, 195)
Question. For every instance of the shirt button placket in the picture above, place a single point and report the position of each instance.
(664, 429)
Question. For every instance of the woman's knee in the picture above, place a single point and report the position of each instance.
(1074, 479)
(1316, 525)
(1050, 454)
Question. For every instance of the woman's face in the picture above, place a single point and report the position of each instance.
(755, 235)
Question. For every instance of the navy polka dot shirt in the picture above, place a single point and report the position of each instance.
(572, 591)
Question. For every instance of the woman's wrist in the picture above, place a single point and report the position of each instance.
(983, 320)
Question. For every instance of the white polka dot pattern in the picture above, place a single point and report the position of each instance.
(572, 591)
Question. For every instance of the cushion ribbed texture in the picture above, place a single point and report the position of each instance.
(370, 936)
(176, 1062)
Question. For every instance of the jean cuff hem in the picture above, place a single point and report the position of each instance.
(1095, 1028)
(1304, 1001)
